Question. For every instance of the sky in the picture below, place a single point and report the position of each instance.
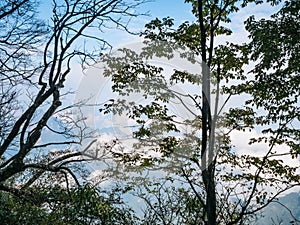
(176, 9)
(181, 11)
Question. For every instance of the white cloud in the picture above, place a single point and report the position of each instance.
(241, 142)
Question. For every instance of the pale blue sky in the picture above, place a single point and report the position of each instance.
(173, 8)
(176, 9)
(181, 12)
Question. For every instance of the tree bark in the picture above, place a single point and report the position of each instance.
(208, 167)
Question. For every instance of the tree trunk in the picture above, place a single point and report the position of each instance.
(207, 162)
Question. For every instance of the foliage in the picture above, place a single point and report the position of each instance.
(169, 204)
(234, 187)
(56, 205)
(276, 84)
(40, 133)
(44, 140)
(208, 180)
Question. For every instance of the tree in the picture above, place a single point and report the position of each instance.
(56, 205)
(40, 140)
(232, 188)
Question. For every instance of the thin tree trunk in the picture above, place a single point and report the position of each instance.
(208, 167)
